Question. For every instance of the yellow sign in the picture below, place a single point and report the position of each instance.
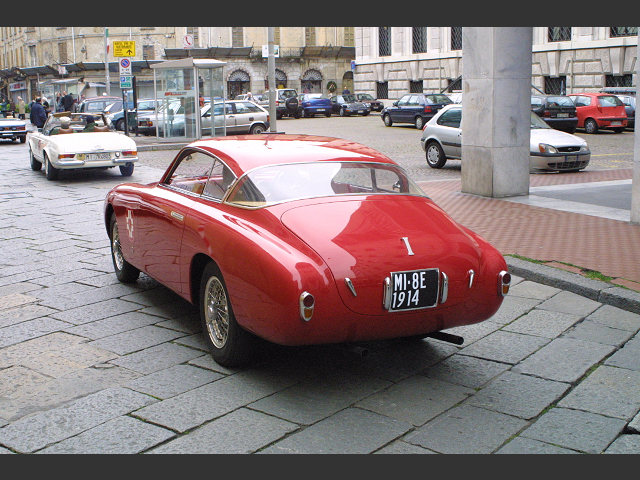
(124, 49)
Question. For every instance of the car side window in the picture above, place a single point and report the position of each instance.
(220, 179)
(451, 118)
(404, 101)
(536, 102)
(192, 172)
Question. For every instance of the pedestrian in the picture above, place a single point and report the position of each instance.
(249, 96)
(21, 108)
(346, 91)
(58, 103)
(45, 104)
(67, 102)
(91, 124)
(38, 115)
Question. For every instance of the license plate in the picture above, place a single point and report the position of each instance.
(412, 290)
(571, 158)
(616, 123)
(563, 115)
(96, 156)
(360, 111)
(321, 110)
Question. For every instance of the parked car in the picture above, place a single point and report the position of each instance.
(599, 111)
(315, 103)
(374, 104)
(287, 103)
(117, 116)
(550, 149)
(13, 129)
(347, 104)
(241, 117)
(415, 108)
(558, 111)
(227, 227)
(61, 147)
(97, 104)
(628, 96)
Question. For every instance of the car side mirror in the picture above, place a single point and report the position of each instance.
(395, 104)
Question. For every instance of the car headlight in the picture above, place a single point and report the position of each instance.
(584, 149)
(544, 148)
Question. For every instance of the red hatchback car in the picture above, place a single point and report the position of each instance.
(599, 110)
(301, 240)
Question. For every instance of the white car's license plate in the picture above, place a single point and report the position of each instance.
(412, 290)
(563, 115)
(95, 156)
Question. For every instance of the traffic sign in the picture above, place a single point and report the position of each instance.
(126, 82)
(125, 67)
(187, 41)
(125, 48)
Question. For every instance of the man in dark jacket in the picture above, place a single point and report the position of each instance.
(67, 102)
(38, 116)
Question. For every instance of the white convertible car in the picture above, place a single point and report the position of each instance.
(72, 140)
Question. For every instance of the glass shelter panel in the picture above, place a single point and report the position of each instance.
(177, 106)
(211, 86)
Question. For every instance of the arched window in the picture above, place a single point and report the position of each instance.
(238, 82)
(311, 81)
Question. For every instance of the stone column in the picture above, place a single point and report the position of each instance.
(635, 183)
(496, 106)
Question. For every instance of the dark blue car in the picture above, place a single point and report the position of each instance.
(415, 108)
(314, 103)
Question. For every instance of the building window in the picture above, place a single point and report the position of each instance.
(33, 56)
(555, 85)
(276, 35)
(623, 31)
(559, 34)
(625, 80)
(237, 36)
(62, 52)
(309, 36)
(416, 86)
(148, 52)
(455, 84)
(419, 37)
(349, 37)
(456, 38)
(382, 89)
(384, 41)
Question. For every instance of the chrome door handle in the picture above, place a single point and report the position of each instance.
(177, 216)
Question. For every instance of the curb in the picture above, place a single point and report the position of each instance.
(594, 289)
(160, 146)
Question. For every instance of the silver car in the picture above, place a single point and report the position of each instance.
(549, 149)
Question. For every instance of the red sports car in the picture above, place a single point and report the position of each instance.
(301, 240)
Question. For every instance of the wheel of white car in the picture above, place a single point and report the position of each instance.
(230, 344)
(257, 128)
(125, 272)
(126, 170)
(435, 155)
(50, 171)
(36, 166)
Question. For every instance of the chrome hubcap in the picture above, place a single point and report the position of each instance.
(115, 248)
(433, 155)
(216, 311)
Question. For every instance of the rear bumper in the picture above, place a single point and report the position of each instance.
(72, 163)
(562, 123)
(611, 122)
(13, 135)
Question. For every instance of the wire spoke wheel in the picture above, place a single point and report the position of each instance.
(216, 310)
(118, 259)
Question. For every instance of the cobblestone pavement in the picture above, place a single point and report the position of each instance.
(89, 365)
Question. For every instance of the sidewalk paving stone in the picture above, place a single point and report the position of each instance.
(564, 359)
(91, 311)
(157, 357)
(21, 314)
(37, 431)
(135, 340)
(172, 381)
(542, 323)
(470, 372)
(474, 332)
(575, 429)
(518, 395)
(608, 391)
(616, 318)
(14, 354)
(107, 327)
(240, 432)
(15, 300)
(596, 332)
(416, 400)
(466, 429)
(122, 435)
(403, 448)
(628, 356)
(513, 307)
(625, 444)
(529, 289)
(29, 329)
(351, 431)
(505, 347)
(568, 302)
(522, 445)
(634, 425)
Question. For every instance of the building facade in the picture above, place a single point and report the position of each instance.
(46, 60)
(392, 61)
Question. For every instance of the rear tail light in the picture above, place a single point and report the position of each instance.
(307, 304)
(504, 281)
(427, 109)
(129, 153)
(546, 113)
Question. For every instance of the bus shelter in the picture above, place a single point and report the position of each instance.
(186, 90)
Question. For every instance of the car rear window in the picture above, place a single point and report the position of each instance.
(273, 184)
(609, 101)
(559, 102)
(439, 99)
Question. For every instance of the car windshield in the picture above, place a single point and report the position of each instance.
(272, 184)
(609, 101)
(365, 96)
(537, 122)
(439, 99)
(560, 102)
(349, 98)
